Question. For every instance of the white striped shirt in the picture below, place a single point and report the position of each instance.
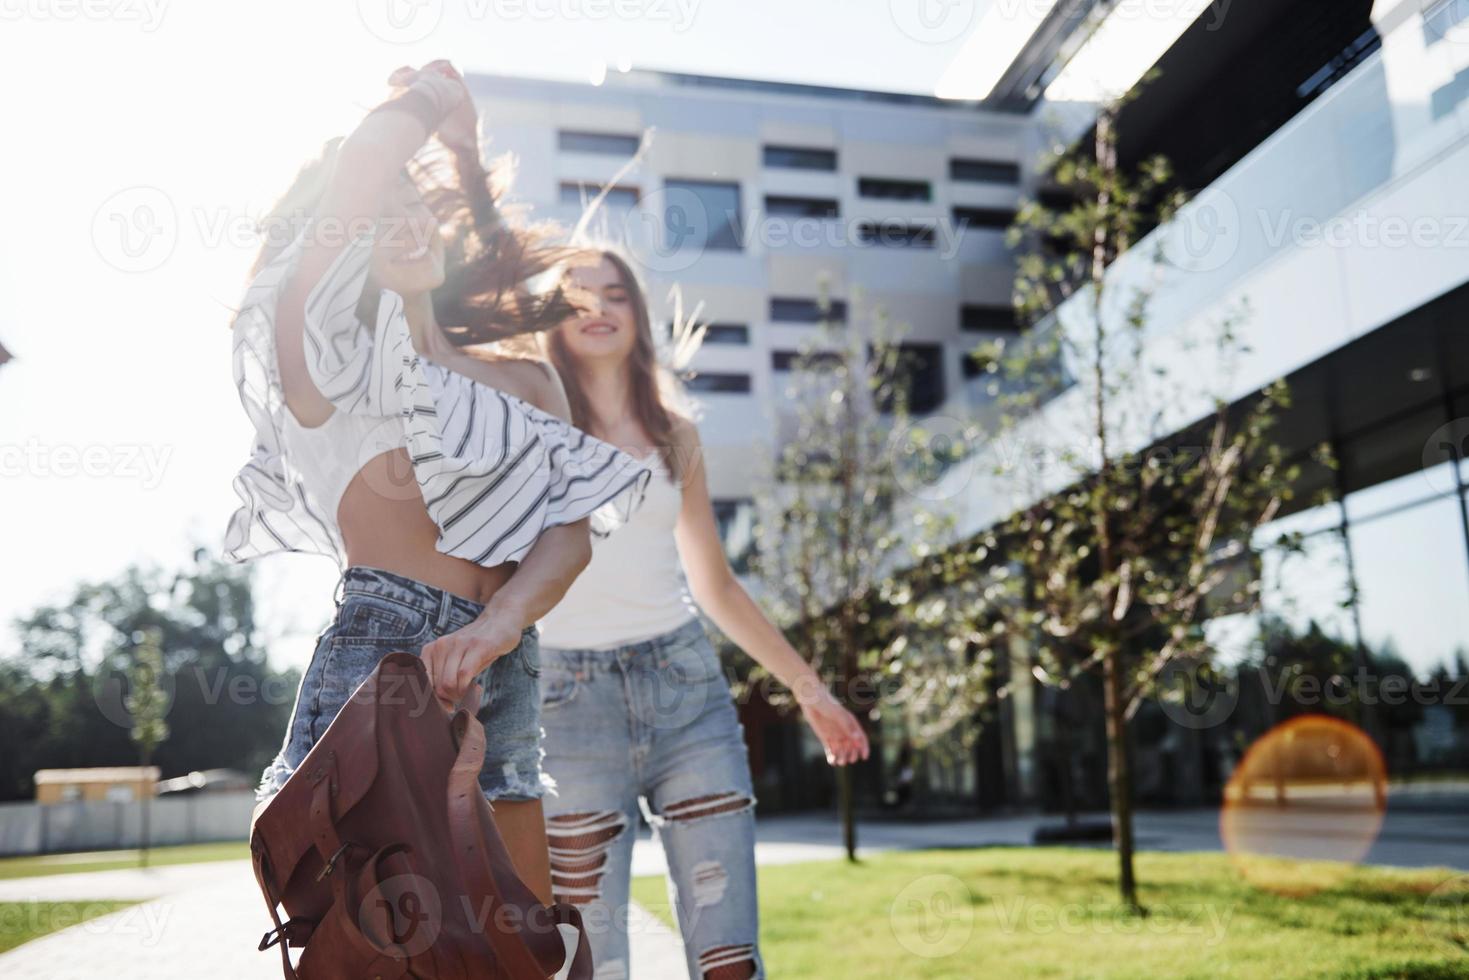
(494, 471)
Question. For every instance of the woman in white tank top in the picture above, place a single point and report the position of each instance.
(634, 703)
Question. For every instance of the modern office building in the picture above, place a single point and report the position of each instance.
(1328, 144)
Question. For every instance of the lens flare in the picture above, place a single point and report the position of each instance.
(1311, 789)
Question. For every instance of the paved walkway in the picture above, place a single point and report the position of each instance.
(205, 919)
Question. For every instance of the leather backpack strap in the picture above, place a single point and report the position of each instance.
(487, 869)
(262, 875)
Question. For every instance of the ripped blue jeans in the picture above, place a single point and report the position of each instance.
(652, 723)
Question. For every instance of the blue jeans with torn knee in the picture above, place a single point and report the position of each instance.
(652, 722)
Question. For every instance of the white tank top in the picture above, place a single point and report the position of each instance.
(634, 588)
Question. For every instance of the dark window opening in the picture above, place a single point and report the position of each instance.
(800, 158)
(788, 310)
(581, 194)
(702, 214)
(889, 189)
(790, 360)
(988, 219)
(726, 333)
(984, 171)
(895, 235)
(919, 374)
(611, 144)
(801, 207)
(716, 383)
(992, 319)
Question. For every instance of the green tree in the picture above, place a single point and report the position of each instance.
(829, 531)
(147, 701)
(1130, 529)
(62, 696)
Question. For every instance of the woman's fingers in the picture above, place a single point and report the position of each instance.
(402, 77)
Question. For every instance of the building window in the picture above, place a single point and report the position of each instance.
(800, 158)
(920, 374)
(735, 520)
(895, 234)
(1443, 18)
(726, 333)
(888, 189)
(984, 171)
(989, 219)
(801, 207)
(789, 360)
(607, 144)
(702, 214)
(716, 383)
(788, 310)
(973, 365)
(581, 194)
(990, 319)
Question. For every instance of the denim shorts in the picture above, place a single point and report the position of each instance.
(379, 613)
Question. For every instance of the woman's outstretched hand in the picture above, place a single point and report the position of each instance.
(459, 130)
(455, 660)
(840, 732)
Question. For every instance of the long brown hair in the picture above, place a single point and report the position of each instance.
(489, 261)
(652, 386)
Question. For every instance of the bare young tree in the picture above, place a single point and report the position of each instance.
(1131, 529)
(829, 532)
(147, 702)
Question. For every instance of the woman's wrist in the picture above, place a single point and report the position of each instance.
(507, 610)
(809, 689)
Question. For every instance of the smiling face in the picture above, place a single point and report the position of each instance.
(607, 327)
(408, 254)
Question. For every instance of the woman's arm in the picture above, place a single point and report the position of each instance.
(539, 582)
(368, 161)
(720, 594)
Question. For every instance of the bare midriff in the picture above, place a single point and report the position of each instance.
(385, 525)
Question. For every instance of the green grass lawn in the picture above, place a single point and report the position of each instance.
(21, 922)
(1043, 912)
(60, 864)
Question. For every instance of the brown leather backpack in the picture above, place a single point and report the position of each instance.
(384, 852)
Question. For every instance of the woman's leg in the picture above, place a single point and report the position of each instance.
(702, 801)
(592, 818)
(522, 825)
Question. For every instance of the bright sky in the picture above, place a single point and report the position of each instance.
(142, 137)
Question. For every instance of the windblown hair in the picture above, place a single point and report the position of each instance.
(490, 262)
(652, 387)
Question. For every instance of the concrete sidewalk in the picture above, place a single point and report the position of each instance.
(203, 920)
(208, 918)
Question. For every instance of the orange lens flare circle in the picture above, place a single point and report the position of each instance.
(1311, 789)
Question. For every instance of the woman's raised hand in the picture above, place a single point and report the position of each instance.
(443, 83)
